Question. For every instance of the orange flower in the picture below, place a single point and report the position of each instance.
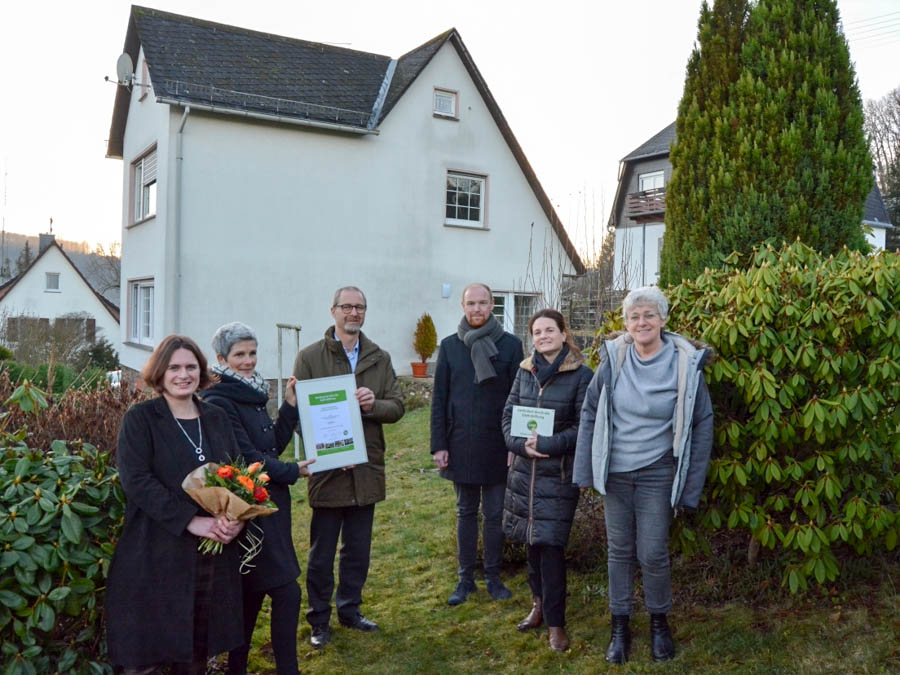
(246, 482)
(260, 494)
(226, 472)
(263, 478)
(253, 468)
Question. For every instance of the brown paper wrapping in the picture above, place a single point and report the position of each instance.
(220, 501)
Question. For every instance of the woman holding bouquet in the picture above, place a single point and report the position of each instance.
(167, 605)
(243, 393)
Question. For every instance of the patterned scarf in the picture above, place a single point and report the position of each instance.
(256, 382)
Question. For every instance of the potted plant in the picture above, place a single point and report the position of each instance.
(424, 344)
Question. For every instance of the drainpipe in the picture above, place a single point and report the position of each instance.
(176, 233)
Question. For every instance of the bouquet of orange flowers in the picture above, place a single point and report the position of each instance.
(235, 491)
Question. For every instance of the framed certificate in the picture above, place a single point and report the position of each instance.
(331, 422)
(526, 420)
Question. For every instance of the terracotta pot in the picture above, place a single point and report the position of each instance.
(419, 368)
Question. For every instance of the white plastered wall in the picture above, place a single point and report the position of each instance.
(276, 217)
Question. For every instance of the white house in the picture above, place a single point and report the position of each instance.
(50, 289)
(639, 209)
(262, 172)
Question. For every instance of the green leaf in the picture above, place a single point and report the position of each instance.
(11, 599)
(71, 526)
(59, 593)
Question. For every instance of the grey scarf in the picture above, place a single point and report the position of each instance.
(257, 382)
(481, 342)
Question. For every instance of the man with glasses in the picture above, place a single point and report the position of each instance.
(343, 500)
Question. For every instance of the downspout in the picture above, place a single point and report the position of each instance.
(643, 254)
(176, 234)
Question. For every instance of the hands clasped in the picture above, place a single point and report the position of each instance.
(217, 529)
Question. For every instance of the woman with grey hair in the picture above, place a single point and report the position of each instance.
(243, 393)
(644, 443)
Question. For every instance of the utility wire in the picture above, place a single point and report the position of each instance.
(870, 19)
(875, 29)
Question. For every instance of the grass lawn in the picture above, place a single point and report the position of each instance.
(854, 630)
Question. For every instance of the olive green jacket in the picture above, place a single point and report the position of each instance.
(364, 484)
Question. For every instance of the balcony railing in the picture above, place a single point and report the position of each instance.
(646, 204)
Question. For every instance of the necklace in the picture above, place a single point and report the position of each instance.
(198, 447)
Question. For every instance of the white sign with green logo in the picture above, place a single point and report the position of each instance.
(526, 421)
(331, 422)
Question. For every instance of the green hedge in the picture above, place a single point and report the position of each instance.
(805, 386)
(61, 509)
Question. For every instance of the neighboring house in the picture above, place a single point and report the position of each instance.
(638, 213)
(262, 172)
(52, 289)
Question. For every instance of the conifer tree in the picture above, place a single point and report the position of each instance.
(694, 197)
(795, 162)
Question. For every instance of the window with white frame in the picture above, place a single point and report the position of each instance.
(445, 103)
(513, 310)
(52, 284)
(464, 199)
(651, 181)
(141, 311)
(144, 196)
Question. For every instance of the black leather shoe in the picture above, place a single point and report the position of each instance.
(321, 635)
(497, 590)
(462, 591)
(619, 640)
(662, 646)
(358, 622)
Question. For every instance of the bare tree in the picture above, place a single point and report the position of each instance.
(883, 129)
(105, 267)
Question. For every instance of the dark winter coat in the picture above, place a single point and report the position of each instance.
(465, 415)
(150, 588)
(540, 499)
(364, 484)
(262, 440)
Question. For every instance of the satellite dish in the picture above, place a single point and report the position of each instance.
(125, 69)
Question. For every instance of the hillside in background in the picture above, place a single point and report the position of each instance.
(100, 271)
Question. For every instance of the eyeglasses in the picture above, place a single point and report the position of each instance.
(646, 316)
(346, 309)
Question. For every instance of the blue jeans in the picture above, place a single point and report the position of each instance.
(638, 514)
(467, 502)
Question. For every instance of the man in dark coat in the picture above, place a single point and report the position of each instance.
(475, 370)
(343, 500)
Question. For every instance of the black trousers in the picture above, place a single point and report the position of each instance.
(285, 617)
(547, 579)
(354, 526)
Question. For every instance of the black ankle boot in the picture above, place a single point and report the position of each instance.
(662, 646)
(619, 640)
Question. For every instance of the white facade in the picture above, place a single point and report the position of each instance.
(262, 222)
(876, 234)
(637, 255)
(52, 287)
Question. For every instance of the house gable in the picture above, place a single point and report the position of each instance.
(220, 67)
(52, 287)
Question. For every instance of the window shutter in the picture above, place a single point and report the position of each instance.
(90, 330)
(150, 168)
(12, 329)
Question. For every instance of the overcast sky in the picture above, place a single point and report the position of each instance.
(581, 82)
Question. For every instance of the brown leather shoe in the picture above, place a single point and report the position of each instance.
(559, 641)
(535, 617)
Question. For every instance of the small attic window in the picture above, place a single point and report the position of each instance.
(52, 282)
(445, 103)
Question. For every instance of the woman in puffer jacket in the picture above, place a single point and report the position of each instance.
(540, 498)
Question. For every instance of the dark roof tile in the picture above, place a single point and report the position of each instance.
(198, 61)
(657, 145)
